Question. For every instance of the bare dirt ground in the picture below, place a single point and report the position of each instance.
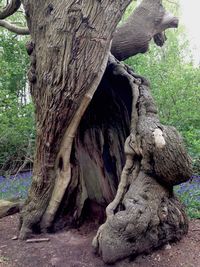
(73, 249)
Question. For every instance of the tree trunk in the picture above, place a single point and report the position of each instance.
(69, 51)
(81, 160)
(145, 214)
(98, 153)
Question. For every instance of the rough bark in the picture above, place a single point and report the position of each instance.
(79, 153)
(69, 50)
(149, 20)
(97, 157)
(145, 214)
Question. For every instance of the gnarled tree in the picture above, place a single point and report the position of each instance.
(99, 139)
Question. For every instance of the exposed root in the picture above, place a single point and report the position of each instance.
(131, 150)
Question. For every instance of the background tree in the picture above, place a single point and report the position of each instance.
(175, 85)
(16, 128)
(69, 52)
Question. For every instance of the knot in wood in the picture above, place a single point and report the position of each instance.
(138, 81)
(130, 145)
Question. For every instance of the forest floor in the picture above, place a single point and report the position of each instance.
(73, 249)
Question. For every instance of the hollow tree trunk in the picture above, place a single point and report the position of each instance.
(80, 158)
(145, 214)
(69, 51)
(98, 154)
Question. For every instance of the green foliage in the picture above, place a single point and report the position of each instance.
(13, 62)
(175, 84)
(128, 11)
(16, 111)
(196, 165)
(16, 132)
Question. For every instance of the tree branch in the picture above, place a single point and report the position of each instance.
(159, 38)
(147, 21)
(10, 9)
(14, 28)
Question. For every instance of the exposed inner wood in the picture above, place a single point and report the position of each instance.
(68, 59)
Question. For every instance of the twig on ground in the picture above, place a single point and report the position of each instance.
(37, 240)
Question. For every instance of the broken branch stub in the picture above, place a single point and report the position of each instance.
(148, 20)
(145, 214)
(10, 9)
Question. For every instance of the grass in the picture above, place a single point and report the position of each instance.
(188, 193)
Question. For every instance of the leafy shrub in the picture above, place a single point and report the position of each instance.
(175, 86)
